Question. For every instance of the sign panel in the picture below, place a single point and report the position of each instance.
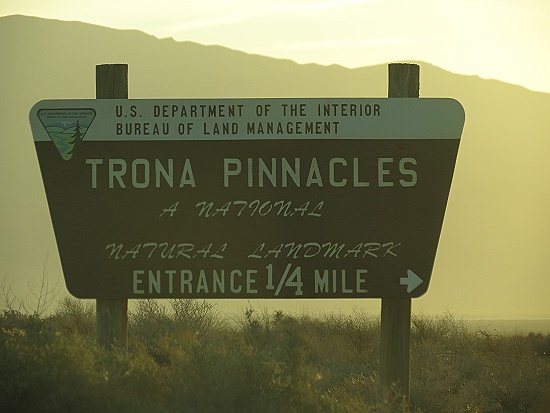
(247, 198)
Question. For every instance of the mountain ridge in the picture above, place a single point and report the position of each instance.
(18, 18)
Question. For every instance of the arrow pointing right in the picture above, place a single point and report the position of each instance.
(411, 281)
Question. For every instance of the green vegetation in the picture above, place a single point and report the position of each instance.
(188, 358)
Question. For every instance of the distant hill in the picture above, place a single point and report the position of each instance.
(494, 250)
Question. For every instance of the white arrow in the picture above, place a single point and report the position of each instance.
(411, 281)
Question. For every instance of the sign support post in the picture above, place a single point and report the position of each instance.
(403, 82)
(112, 315)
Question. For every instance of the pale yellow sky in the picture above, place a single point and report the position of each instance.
(501, 39)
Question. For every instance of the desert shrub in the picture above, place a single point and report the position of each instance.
(513, 373)
(134, 381)
(360, 393)
(456, 370)
(314, 355)
(196, 315)
(46, 374)
(228, 377)
(540, 343)
(446, 367)
(40, 298)
(74, 316)
(31, 328)
(170, 333)
(185, 358)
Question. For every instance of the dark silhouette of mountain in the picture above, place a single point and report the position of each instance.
(497, 228)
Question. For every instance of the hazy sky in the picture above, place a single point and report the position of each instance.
(502, 39)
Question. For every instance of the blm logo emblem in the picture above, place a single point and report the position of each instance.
(66, 127)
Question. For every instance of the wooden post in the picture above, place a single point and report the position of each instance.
(112, 315)
(395, 344)
(111, 81)
(403, 82)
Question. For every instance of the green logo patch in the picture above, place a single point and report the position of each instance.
(66, 127)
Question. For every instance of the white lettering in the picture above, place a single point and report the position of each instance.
(228, 171)
(94, 163)
(137, 282)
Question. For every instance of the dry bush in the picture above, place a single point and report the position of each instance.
(74, 316)
(184, 357)
(456, 370)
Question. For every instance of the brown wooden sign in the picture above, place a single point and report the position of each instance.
(247, 198)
